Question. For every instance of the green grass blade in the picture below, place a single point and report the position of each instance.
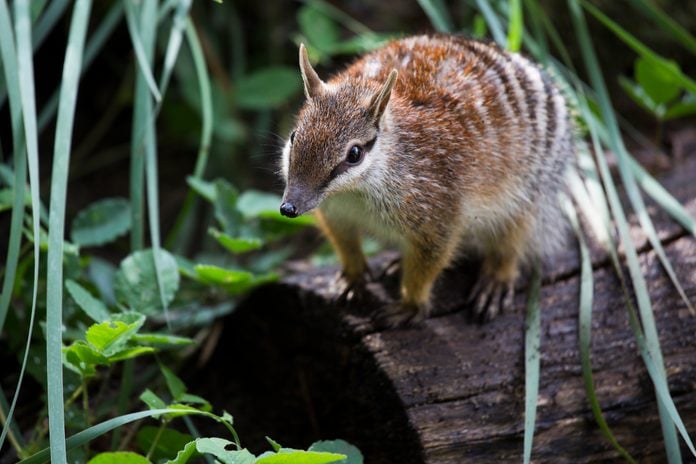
(532, 357)
(139, 44)
(141, 119)
(25, 75)
(174, 42)
(640, 48)
(492, 21)
(56, 228)
(662, 197)
(87, 435)
(346, 20)
(47, 21)
(652, 11)
(147, 32)
(638, 280)
(206, 132)
(44, 25)
(515, 26)
(585, 331)
(437, 14)
(8, 55)
(94, 45)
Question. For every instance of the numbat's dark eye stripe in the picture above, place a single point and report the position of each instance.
(292, 137)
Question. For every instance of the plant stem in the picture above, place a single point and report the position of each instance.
(157, 437)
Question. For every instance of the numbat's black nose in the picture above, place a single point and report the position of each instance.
(288, 209)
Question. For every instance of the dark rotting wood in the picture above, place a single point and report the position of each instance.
(296, 366)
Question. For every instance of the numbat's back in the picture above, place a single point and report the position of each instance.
(443, 145)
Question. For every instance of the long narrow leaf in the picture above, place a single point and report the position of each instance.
(141, 119)
(652, 11)
(25, 74)
(492, 21)
(94, 45)
(640, 48)
(140, 47)
(49, 18)
(174, 43)
(56, 228)
(662, 197)
(87, 435)
(204, 89)
(438, 15)
(8, 56)
(515, 26)
(585, 331)
(44, 26)
(532, 357)
(639, 284)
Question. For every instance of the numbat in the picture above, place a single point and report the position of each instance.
(442, 145)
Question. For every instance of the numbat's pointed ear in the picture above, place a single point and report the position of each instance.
(378, 102)
(313, 86)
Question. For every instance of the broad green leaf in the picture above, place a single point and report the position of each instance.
(82, 358)
(236, 244)
(226, 213)
(658, 82)
(641, 98)
(209, 273)
(169, 441)
(136, 283)
(233, 281)
(101, 222)
(101, 272)
(218, 448)
(186, 453)
(268, 88)
(320, 31)
(152, 400)
(353, 454)
(188, 398)
(175, 385)
(256, 204)
(161, 339)
(203, 188)
(129, 353)
(94, 308)
(681, 109)
(111, 336)
(288, 456)
(253, 203)
(119, 457)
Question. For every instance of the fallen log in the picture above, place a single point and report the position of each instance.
(452, 390)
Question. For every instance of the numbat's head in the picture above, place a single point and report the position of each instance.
(335, 145)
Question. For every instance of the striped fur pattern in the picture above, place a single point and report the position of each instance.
(467, 155)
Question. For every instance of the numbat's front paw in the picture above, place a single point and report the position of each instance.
(490, 297)
(353, 288)
(399, 314)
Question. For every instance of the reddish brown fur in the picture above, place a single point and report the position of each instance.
(470, 150)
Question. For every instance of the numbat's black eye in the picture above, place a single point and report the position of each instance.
(292, 137)
(355, 155)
